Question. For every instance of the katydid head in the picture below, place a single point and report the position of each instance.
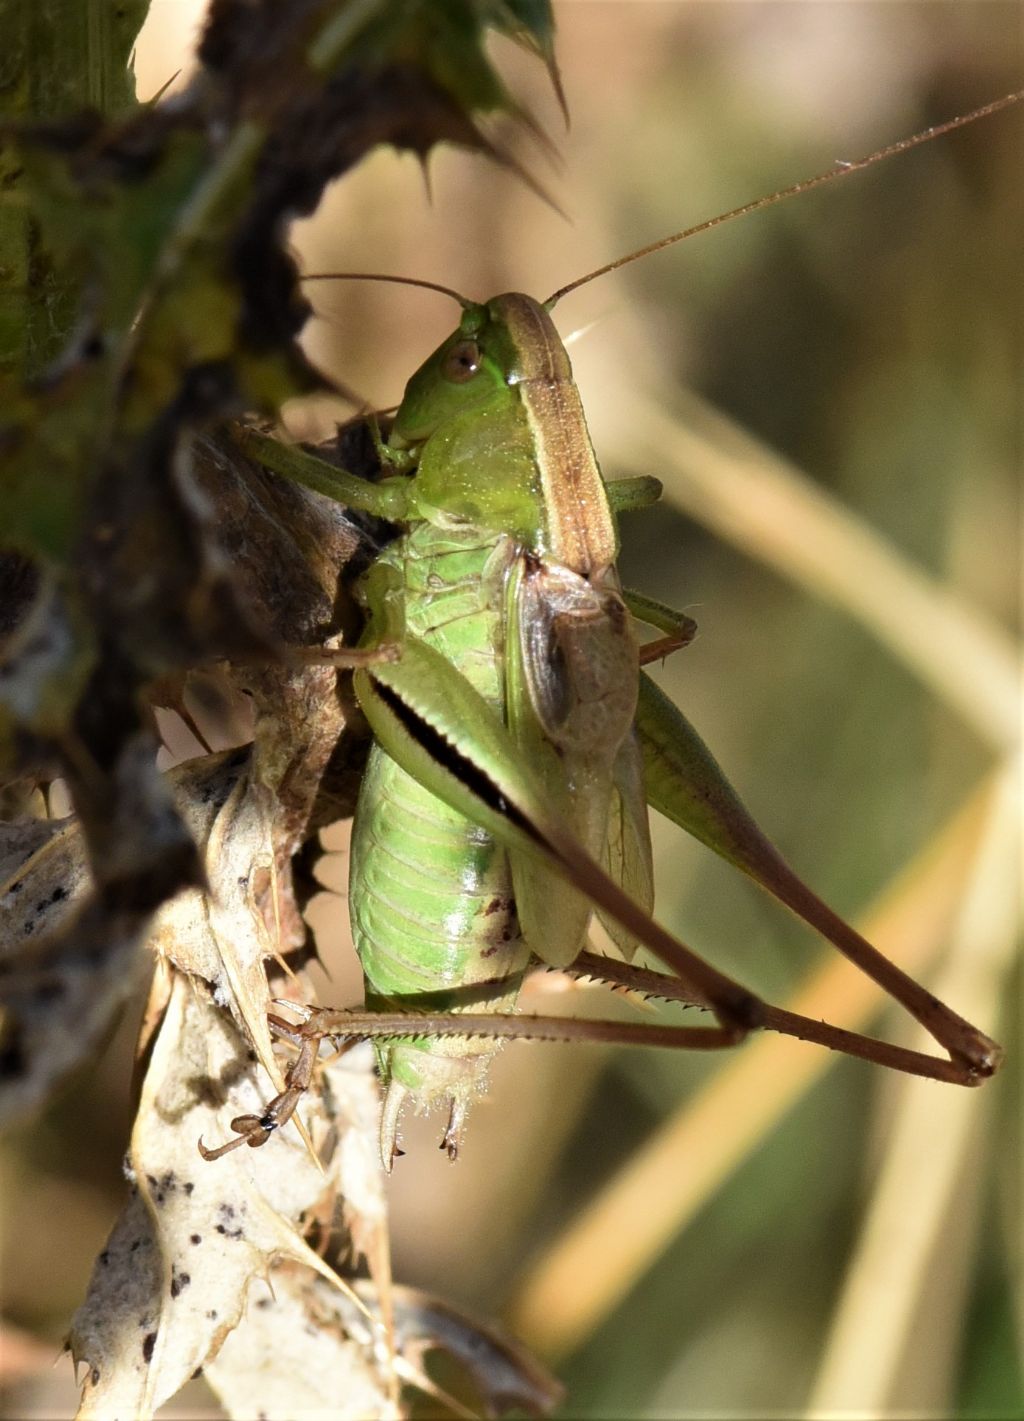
(460, 378)
(494, 346)
(503, 343)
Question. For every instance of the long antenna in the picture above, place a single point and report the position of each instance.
(398, 281)
(841, 170)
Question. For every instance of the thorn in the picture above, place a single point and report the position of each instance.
(425, 170)
(555, 75)
(155, 99)
(452, 1136)
(395, 1097)
(301, 1009)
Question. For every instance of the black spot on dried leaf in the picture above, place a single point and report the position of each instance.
(227, 1225)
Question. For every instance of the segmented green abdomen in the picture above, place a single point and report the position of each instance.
(431, 892)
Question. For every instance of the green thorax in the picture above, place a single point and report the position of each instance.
(502, 441)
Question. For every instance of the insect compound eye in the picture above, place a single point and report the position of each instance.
(462, 362)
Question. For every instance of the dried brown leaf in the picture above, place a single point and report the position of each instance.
(481, 1361)
(306, 1350)
(179, 1269)
(296, 1354)
(220, 935)
(73, 915)
(70, 949)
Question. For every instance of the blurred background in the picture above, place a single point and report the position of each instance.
(829, 391)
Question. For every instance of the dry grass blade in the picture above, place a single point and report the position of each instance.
(734, 484)
(879, 1357)
(585, 1274)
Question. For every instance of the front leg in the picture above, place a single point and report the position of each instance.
(388, 499)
